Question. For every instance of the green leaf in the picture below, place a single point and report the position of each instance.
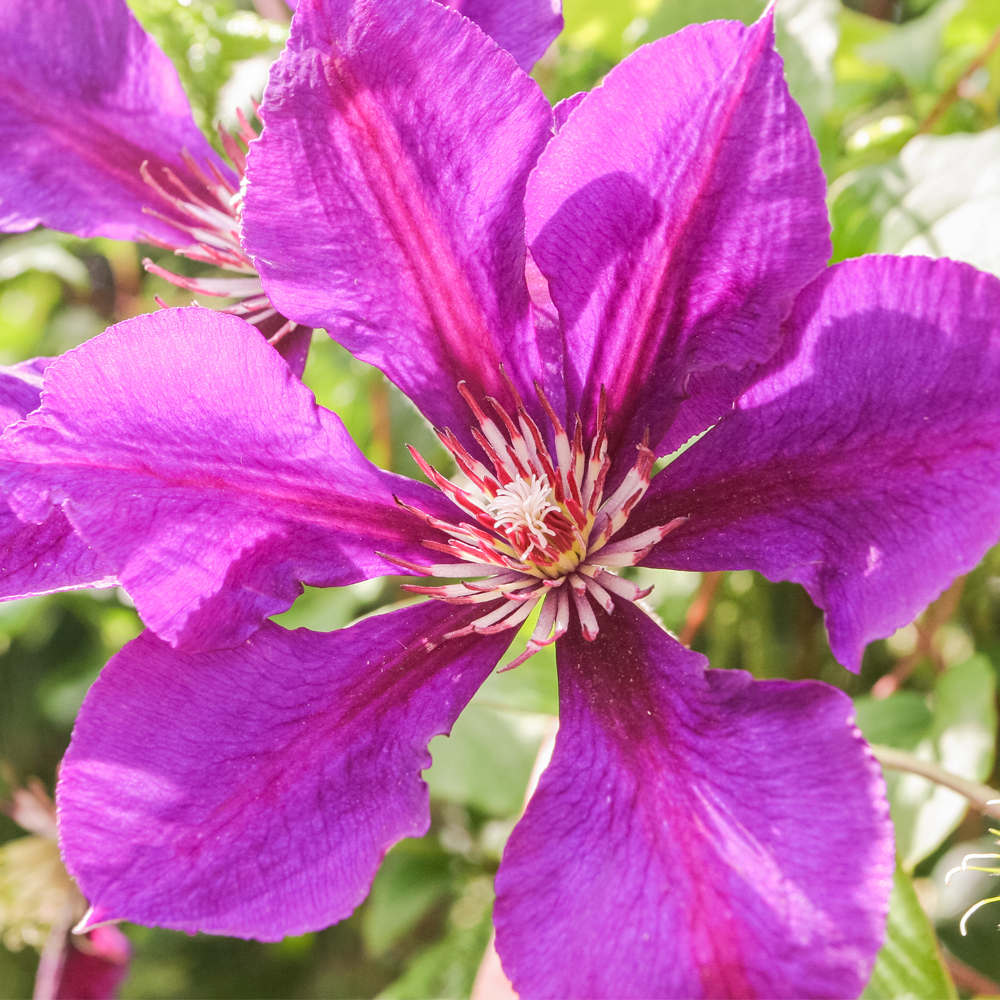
(909, 964)
(487, 760)
(411, 879)
(901, 721)
(41, 250)
(602, 27)
(914, 48)
(448, 968)
(956, 728)
(26, 304)
(940, 198)
(204, 40)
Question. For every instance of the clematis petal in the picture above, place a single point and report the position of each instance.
(21, 389)
(45, 558)
(38, 558)
(88, 97)
(864, 461)
(525, 28)
(254, 791)
(210, 481)
(676, 215)
(94, 965)
(697, 834)
(404, 138)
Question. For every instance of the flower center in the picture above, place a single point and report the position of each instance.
(522, 510)
(541, 525)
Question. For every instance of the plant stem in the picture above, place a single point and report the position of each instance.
(979, 796)
(698, 608)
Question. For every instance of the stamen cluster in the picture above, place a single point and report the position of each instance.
(215, 212)
(541, 525)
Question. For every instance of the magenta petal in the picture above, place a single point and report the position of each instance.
(525, 28)
(676, 214)
(864, 461)
(254, 791)
(87, 97)
(47, 557)
(21, 389)
(403, 137)
(209, 480)
(94, 965)
(38, 558)
(697, 834)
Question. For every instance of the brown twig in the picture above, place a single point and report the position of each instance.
(981, 797)
(933, 618)
(699, 607)
(948, 97)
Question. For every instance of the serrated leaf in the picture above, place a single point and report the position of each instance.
(909, 966)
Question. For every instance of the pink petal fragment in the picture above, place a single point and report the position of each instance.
(253, 792)
(94, 965)
(697, 834)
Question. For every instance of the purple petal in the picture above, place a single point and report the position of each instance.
(403, 137)
(21, 389)
(254, 791)
(864, 461)
(38, 558)
(562, 110)
(676, 215)
(94, 965)
(293, 346)
(88, 97)
(525, 28)
(208, 479)
(697, 834)
(47, 557)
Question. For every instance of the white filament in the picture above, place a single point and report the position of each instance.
(524, 503)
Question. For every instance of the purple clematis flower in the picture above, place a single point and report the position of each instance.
(698, 833)
(97, 138)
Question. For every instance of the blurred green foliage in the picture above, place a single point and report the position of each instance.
(867, 85)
